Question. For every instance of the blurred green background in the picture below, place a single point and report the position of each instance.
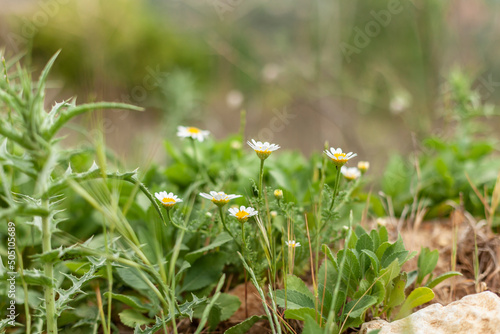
(368, 76)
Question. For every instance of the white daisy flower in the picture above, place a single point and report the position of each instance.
(219, 198)
(351, 173)
(192, 132)
(242, 213)
(292, 243)
(363, 166)
(338, 157)
(167, 199)
(263, 150)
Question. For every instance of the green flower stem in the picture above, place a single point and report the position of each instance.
(261, 177)
(336, 188)
(243, 248)
(173, 260)
(173, 223)
(223, 220)
(49, 272)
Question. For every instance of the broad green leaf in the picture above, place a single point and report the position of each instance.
(375, 239)
(412, 276)
(382, 248)
(388, 274)
(397, 295)
(294, 299)
(351, 271)
(416, 298)
(378, 291)
(427, 261)
(131, 301)
(132, 318)
(204, 271)
(365, 242)
(356, 308)
(228, 305)
(373, 258)
(220, 240)
(311, 326)
(132, 278)
(383, 235)
(389, 257)
(360, 231)
(245, 326)
(297, 284)
(328, 268)
(300, 313)
(352, 240)
(325, 299)
(441, 278)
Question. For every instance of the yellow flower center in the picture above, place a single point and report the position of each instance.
(220, 202)
(193, 130)
(168, 201)
(340, 156)
(241, 214)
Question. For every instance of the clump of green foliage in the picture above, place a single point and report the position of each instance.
(94, 246)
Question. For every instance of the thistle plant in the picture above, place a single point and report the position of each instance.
(28, 129)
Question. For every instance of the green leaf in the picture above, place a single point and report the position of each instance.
(131, 301)
(412, 276)
(351, 241)
(365, 242)
(204, 271)
(427, 261)
(383, 235)
(311, 326)
(132, 278)
(245, 326)
(388, 274)
(297, 284)
(351, 272)
(294, 299)
(441, 278)
(416, 298)
(220, 240)
(228, 304)
(387, 258)
(300, 313)
(397, 295)
(375, 239)
(382, 248)
(69, 113)
(36, 277)
(373, 258)
(132, 318)
(356, 308)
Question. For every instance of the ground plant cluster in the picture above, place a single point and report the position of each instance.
(95, 248)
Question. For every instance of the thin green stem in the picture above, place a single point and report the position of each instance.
(173, 222)
(243, 248)
(261, 177)
(223, 221)
(336, 188)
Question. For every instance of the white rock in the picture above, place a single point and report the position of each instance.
(474, 314)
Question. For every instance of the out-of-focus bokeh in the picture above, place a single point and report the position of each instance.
(368, 76)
